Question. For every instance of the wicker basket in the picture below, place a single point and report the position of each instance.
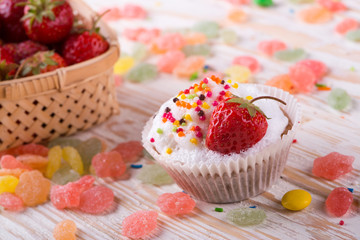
(62, 102)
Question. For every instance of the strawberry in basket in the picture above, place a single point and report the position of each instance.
(10, 14)
(7, 65)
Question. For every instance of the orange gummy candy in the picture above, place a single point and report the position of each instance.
(237, 15)
(34, 161)
(65, 230)
(315, 15)
(16, 172)
(282, 81)
(189, 66)
(194, 38)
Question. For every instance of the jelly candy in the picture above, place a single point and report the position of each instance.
(238, 2)
(73, 158)
(175, 203)
(133, 11)
(11, 202)
(247, 61)
(239, 73)
(194, 38)
(16, 172)
(33, 188)
(332, 166)
(154, 174)
(301, 1)
(142, 72)
(65, 230)
(315, 15)
(228, 36)
(270, 47)
(64, 175)
(123, 65)
(140, 52)
(290, 55)
(133, 33)
(33, 161)
(209, 28)
(68, 196)
(339, 99)
(109, 164)
(139, 224)
(31, 148)
(198, 49)
(168, 42)
(332, 5)
(296, 200)
(54, 163)
(64, 142)
(189, 66)
(346, 25)
(237, 15)
(303, 78)
(246, 216)
(10, 162)
(281, 81)
(8, 183)
(96, 200)
(339, 201)
(88, 149)
(353, 35)
(317, 67)
(130, 151)
(147, 36)
(168, 61)
(264, 3)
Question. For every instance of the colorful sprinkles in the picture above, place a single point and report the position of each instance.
(219, 210)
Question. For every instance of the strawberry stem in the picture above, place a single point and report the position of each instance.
(268, 97)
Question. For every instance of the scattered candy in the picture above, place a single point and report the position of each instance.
(333, 165)
(64, 142)
(351, 190)
(339, 201)
(168, 61)
(238, 2)
(139, 224)
(264, 3)
(228, 36)
(270, 47)
(317, 67)
(65, 230)
(8, 184)
(252, 207)
(238, 73)
(246, 216)
(353, 35)
(142, 35)
(209, 28)
(112, 14)
(290, 55)
(198, 49)
(154, 174)
(346, 25)
(142, 72)
(87, 150)
(109, 164)
(96, 200)
(315, 15)
(16, 172)
(140, 52)
(10, 162)
(281, 81)
(168, 42)
(247, 61)
(296, 200)
(133, 11)
(65, 175)
(123, 65)
(341, 222)
(219, 210)
(339, 99)
(73, 158)
(332, 5)
(303, 78)
(189, 66)
(301, 1)
(237, 15)
(11, 202)
(136, 166)
(175, 203)
(32, 148)
(194, 38)
(34, 161)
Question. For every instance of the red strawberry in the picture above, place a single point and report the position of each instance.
(10, 14)
(24, 49)
(47, 21)
(7, 66)
(235, 126)
(6, 55)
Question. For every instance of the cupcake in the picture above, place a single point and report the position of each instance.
(224, 142)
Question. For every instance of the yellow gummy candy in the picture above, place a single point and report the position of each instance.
(71, 156)
(54, 163)
(239, 73)
(8, 183)
(123, 65)
(296, 200)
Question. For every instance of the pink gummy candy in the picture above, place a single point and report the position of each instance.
(130, 151)
(331, 5)
(108, 164)
(113, 14)
(142, 35)
(189, 66)
(176, 203)
(317, 67)
(248, 62)
(270, 47)
(68, 196)
(303, 78)
(10, 162)
(170, 60)
(96, 200)
(139, 224)
(32, 148)
(346, 25)
(238, 2)
(171, 41)
(339, 201)
(133, 11)
(332, 166)
(11, 202)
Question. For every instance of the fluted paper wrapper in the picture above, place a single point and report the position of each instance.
(233, 181)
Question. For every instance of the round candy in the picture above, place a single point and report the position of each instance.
(303, 78)
(168, 61)
(237, 15)
(339, 201)
(65, 230)
(281, 81)
(270, 47)
(11, 202)
(130, 151)
(264, 3)
(247, 61)
(139, 224)
(317, 67)
(296, 200)
(346, 25)
(109, 164)
(315, 15)
(175, 203)
(96, 200)
(339, 99)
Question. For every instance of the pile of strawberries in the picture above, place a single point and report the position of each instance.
(38, 36)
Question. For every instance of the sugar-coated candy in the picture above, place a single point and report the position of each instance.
(296, 200)
(65, 230)
(11, 202)
(238, 73)
(339, 99)
(88, 149)
(133, 11)
(353, 35)
(168, 61)
(168, 42)
(339, 201)
(73, 158)
(31, 148)
(130, 151)
(302, 1)
(346, 25)
(315, 15)
(333, 165)
(237, 15)
(246, 216)
(108, 164)
(68, 196)
(282, 81)
(317, 67)
(133, 33)
(228, 36)
(64, 142)
(8, 184)
(238, 2)
(332, 5)
(16, 172)
(264, 3)
(140, 52)
(139, 224)
(247, 61)
(193, 38)
(198, 49)
(142, 72)
(189, 66)
(303, 78)
(154, 174)
(54, 157)
(175, 203)
(142, 35)
(123, 65)
(112, 14)
(33, 188)
(65, 175)
(33, 161)
(96, 200)
(290, 55)
(209, 28)
(270, 47)
(10, 162)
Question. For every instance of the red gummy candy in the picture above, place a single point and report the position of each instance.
(96, 200)
(11, 202)
(333, 165)
(317, 67)
(32, 148)
(303, 78)
(108, 164)
(130, 151)
(347, 25)
(176, 203)
(133, 11)
(331, 5)
(170, 60)
(270, 47)
(339, 201)
(168, 42)
(139, 224)
(68, 196)
(141, 34)
(248, 62)
(10, 162)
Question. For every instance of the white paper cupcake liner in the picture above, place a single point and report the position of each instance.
(233, 181)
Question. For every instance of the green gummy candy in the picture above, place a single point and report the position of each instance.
(291, 55)
(264, 3)
(339, 99)
(154, 174)
(65, 175)
(64, 142)
(209, 28)
(140, 52)
(198, 49)
(246, 216)
(353, 35)
(142, 72)
(87, 150)
(228, 36)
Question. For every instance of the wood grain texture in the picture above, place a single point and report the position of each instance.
(323, 130)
